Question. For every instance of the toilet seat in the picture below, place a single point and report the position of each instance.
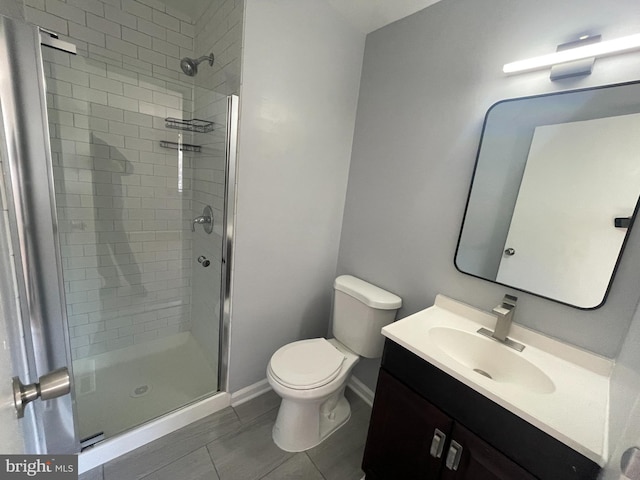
(306, 364)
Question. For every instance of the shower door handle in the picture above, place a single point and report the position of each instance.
(630, 463)
(52, 385)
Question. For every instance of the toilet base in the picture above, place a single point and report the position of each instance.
(301, 425)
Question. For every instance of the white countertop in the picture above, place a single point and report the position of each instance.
(575, 413)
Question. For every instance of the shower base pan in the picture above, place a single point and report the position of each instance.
(117, 391)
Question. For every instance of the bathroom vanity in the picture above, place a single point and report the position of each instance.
(542, 415)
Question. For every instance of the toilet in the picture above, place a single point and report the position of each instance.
(311, 375)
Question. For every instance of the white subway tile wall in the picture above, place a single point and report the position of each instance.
(124, 223)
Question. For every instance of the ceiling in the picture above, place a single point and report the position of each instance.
(365, 15)
(369, 15)
(192, 8)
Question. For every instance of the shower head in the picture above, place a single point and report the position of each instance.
(190, 66)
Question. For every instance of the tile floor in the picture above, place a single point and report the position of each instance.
(236, 444)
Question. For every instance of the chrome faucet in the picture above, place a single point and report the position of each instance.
(504, 313)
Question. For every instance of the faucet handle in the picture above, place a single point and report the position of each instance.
(506, 306)
(502, 309)
(206, 220)
(509, 301)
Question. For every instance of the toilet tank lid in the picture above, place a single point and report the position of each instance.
(370, 295)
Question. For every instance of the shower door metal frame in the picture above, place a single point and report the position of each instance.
(34, 233)
(228, 241)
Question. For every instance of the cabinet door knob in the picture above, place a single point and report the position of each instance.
(437, 444)
(453, 456)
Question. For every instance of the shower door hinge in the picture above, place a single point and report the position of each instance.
(50, 39)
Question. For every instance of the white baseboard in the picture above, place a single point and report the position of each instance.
(126, 442)
(255, 390)
(248, 393)
(360, 389)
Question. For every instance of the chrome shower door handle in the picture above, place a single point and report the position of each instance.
(206, 220)
(52, 385)
(630, 463)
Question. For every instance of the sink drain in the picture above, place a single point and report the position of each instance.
(482, 372)
(140, 391)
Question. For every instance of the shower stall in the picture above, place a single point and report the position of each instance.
(118, 155)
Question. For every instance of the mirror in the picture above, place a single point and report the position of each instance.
(554, 193)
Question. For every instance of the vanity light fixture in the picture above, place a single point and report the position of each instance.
(580, 52)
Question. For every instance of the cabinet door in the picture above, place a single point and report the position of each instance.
(401, 434)
(470, 458)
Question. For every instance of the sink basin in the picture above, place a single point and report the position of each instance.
(491, 359)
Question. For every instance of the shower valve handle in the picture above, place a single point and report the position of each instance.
(201, 220)
(206, 220)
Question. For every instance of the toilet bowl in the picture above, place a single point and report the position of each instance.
(311, 375)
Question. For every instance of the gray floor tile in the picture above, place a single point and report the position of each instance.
(347, 467)
(239, 447)
(94, 474)
(195, 466)
(339, 457)
(162, 452)
(255, 407)
(298, 467)
(249, 453)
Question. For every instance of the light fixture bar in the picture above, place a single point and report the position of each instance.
(609, 47)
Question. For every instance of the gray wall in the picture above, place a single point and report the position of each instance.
(301, 66)
(12, 8)
(427, 82)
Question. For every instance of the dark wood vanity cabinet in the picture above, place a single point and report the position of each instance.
(403, 427)
(427, 425)
(410, 438)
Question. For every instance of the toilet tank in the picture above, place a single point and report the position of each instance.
(360, 310)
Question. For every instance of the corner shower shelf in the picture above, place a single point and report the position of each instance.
(193, 125)
(185, 147)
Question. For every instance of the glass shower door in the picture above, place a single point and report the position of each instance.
(37, 339)
(136, 161)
